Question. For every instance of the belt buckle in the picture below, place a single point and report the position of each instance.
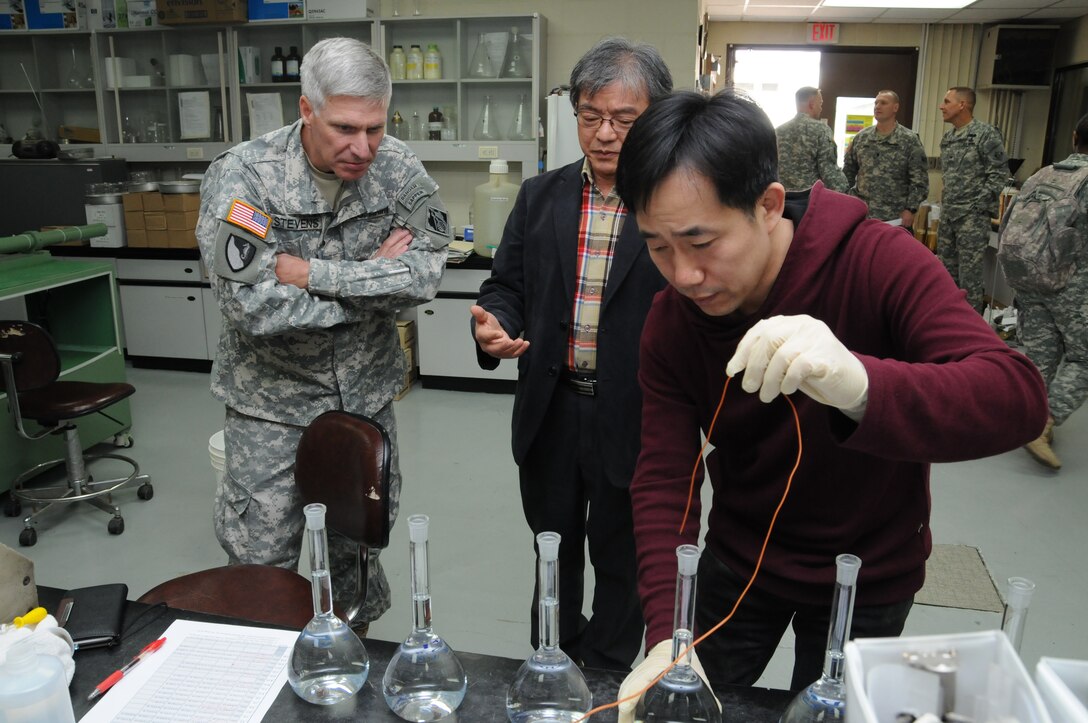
(585, 387)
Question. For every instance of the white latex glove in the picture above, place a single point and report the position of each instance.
(656, 661)
(785, 353)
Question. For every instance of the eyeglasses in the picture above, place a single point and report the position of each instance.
(593, 121)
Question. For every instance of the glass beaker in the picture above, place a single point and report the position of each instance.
(396, 128)
(328, 663)
(549, 687)
(825, 699)
(1016, 609)
(480, 65)
(681, 696)
(486, 130)
(522, 128)
(518, 63)
(415, 127)
(424, 680)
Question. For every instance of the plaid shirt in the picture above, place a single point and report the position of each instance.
(601, 220)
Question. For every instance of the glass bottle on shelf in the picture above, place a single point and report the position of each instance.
(76, 78)
(424, 680)
(397, 63)
(825, 700)
(434, 125)
(416, 11)
(432, 63)
(517, 63)
(480, 65)
(277, 65)
(413, 69)
(291, 65)
(396, 129)
(548, 686)
(485, 126)
(449, 123)
(415, 127)
(681, 696)
(522, 128)
(1017, 600)
(328, 663)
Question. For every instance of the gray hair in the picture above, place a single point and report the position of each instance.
(344, 66)
(636, 67)
(892, 93)
(805, 94)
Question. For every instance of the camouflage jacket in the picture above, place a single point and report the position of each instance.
(806, 154)
(889, 172)
(975, 168)
(287, 354)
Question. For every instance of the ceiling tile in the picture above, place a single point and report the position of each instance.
(984, 16)
(1083, 4)
(911, 15)
(1025, 5)
(1054, 13)
(798, 5)
(777, 13)
(846, 15)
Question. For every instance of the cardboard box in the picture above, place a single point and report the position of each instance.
(182, 239)
(406, 328)
(1063, 686)
(201, 12)
(134, 221)
(18, 592)
(181, 201)
(158, 238)
(879, 683)
(133, 201)
(152, 201)
(411, 373)
(340, 9)
(181, 220)
(155, 221)
(276, 10)
(136, 237)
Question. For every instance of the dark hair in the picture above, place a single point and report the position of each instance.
(805, 94)
(635, 66)
(727, 138)
(1081, 132)
(967, 95)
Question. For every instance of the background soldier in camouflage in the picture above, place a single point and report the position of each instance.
(314, 235)
(886, 166)
(975, 169)
(1054, 328)
(806, 147)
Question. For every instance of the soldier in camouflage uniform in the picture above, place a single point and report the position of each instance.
(806, 147)
(886, 165)
(1054, 328)
(975, 169)
(314, 235)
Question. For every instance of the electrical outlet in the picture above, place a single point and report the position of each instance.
(489, 152)
(194, 153)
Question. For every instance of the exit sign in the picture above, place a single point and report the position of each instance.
(823, 33)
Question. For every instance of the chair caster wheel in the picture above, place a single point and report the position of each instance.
(28, 537)
(123, 440)
(12, 507)
(116, 526)
(145, 491)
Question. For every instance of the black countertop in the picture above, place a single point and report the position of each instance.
(488, 678)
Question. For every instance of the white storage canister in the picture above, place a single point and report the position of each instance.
(103, 205)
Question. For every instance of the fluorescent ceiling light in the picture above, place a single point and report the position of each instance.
(906, 4)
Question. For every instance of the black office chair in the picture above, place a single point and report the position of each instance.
(343, 461)
(31, 368)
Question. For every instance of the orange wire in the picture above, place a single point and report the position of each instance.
(755, 571)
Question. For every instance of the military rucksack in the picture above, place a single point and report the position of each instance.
(1044, 230)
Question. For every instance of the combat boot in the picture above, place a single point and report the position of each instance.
(1041, 450)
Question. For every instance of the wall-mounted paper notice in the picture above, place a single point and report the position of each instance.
(265, 113)
(194, 112)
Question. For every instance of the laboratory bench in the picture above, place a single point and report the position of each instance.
(489, 677)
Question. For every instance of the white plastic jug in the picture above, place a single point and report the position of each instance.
(492, 205)
(33, 688)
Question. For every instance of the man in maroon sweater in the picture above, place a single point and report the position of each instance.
(800, 293)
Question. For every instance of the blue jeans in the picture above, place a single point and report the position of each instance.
(740, 650)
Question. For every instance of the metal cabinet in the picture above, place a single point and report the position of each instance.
(162, 304)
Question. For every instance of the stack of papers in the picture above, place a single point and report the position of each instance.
(459, 251)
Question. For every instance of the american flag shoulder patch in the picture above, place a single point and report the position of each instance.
(245, 216)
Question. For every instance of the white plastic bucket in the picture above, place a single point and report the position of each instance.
(217, 453)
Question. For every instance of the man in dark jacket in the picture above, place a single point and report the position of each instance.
(568, 293)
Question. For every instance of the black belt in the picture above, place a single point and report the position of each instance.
(584, 384)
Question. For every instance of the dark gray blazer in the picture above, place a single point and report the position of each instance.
(531, 292)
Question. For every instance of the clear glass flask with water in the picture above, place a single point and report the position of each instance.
(328, 663)
(424, 680)
(825, 700)
(681, 696)
(549, 687)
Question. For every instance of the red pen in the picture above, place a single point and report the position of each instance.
(109, 682)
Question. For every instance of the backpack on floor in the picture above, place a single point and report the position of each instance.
(1044, 230)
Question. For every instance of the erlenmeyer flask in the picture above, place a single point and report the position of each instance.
(522, 128)
(329, 663)
(825, 700)
(424, 680)
(681, 696)
(549, 687)
(517, 63)
(480, 65)
(486, 129)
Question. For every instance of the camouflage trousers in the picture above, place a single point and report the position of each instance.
(258, 512)
(961, 244)
(1054, 330)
